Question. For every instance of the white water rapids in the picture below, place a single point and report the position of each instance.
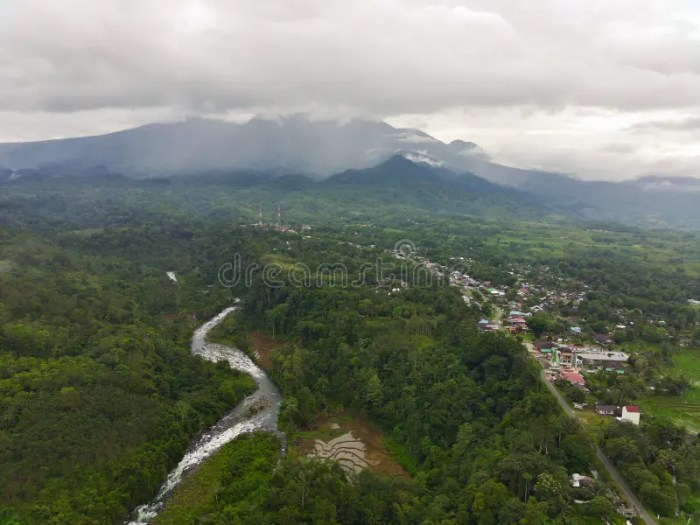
(258, 411)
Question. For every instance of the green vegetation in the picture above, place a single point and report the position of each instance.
(683, 409)
(687, 363)
(99, 396)
(239, 486)
(465, 406)
(650, 457)
(228, 487)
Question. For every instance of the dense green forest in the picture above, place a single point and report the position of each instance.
(466, 406)
(100, 396)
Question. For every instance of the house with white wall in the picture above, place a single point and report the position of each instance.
(631, 414)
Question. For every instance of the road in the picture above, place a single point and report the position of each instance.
(498, 316)
(612, 470)
(632, 500)
(531, 348)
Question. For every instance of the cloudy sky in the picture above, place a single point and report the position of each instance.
(606, 89)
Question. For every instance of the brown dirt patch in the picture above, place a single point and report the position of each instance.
(334, 426)
(266, 347)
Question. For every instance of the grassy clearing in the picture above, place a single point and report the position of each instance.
(594, 423)
(687, 362)
(683, 410)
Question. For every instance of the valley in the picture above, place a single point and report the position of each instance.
(453, 420)
(349, 263)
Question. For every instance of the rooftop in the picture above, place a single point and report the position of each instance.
(618, 357)
(573, 377)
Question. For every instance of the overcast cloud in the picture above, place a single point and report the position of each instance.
(606, 89)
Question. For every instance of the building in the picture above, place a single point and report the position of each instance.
(605, 410)
(565, 355)
(574, 378)
(601, 359)
(487, 326)
(631, 414)
(577, 480)
(543, 343)
(517, 322)
(602, 339)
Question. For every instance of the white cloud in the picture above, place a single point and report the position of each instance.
(81, 66)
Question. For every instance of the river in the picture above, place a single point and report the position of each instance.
(258, 411)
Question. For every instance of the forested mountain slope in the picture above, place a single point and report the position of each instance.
(100, 396)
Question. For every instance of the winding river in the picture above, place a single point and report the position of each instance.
(258, 411)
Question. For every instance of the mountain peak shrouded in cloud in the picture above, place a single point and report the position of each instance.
(469, 149)
(295, 144)
(654, 183)
(463, 145)
(568, 77)
(290, 152)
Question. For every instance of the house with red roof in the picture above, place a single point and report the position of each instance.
(517, 322)
(574, 378)
(631, 414)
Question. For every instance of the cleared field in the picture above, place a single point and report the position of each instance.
(352, 441)
(687, 362)
(683, 410)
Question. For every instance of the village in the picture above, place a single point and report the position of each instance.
(566, 358)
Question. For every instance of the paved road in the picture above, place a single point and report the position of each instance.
(612, 470)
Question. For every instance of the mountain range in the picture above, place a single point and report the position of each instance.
(341, 151)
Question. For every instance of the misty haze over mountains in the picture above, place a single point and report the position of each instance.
(319, 149)
(283, 145)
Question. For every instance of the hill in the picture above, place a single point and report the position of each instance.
(285, 145)
(255, 152)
